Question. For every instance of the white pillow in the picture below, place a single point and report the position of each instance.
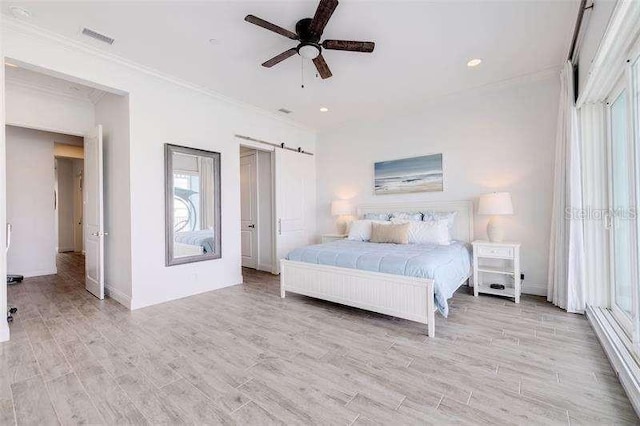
(360, 230)
(432, 232)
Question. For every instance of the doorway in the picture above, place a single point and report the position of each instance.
(86, 182)
(69, 170)
(257, 209)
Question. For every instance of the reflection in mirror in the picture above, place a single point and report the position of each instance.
(192, 204)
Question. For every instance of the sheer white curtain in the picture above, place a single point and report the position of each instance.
(566, 287)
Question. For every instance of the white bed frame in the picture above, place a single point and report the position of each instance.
(399, 296)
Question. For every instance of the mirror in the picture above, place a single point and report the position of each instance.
(192, 205)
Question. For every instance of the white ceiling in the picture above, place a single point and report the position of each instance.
(421, 48)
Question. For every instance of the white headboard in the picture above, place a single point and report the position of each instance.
(463, 224)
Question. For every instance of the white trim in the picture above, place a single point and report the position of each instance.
(266, 267)
(49, 91)
(39, 273)
(118, 296)
(14, 24)
(534, 289)
(612, 53)
(4, 332)
(612, 338)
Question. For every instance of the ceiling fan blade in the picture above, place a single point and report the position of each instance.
(322, 67)
(279, 58)
(321, 18)
(271, 27)
(351, 46)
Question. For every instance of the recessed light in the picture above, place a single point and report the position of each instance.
(19, 12)
(324, 109)
(214, 41)
(9, 64)
(474, 63)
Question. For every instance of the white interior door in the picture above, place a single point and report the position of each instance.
(93, 213)
(249, 210)
(295, 188)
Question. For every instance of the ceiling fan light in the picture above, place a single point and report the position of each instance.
(309, 51)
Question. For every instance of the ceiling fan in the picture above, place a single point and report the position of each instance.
(308, 33)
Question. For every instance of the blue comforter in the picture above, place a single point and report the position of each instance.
(448, 265)
(203, 238)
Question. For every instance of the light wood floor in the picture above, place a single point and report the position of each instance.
(241, 355)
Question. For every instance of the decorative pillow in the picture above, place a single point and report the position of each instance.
(392, 233)
(360, 230)
(377, 216)
(432, 232)
(406, 215)
(429, 216)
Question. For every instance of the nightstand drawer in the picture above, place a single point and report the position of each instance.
(501, 252)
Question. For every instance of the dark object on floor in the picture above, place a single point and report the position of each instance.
(497, 286)
(10, 314)
(14, 279)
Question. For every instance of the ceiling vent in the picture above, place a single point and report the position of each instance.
(100, 37)
(284, 111)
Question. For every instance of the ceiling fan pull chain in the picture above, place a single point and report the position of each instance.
(302, 72)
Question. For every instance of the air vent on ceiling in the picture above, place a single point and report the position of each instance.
(100, 37)
(284, 111)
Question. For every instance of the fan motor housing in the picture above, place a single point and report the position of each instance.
(302, 29)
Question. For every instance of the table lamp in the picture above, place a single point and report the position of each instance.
(495, 204)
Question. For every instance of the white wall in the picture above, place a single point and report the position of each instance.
(112, 112)
(265, 211)
(4, 328)
(78, 207)
(30, 202)
(65, 204)
(594, 25)
(163, 111)
(492, 139)
(36, 109)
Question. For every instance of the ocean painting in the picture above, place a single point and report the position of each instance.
(417, 174)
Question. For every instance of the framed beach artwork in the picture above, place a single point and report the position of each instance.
(417, 174)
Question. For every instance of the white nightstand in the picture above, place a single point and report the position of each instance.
(496, 260)
(326, 238)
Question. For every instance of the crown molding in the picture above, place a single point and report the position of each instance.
(30, 86)
(12, 24)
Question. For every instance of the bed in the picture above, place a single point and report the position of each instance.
(405, 281)
(201, 241)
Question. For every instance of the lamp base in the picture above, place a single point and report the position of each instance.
(495, 231)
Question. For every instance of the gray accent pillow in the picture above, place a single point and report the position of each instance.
(377, 216)
(407, 216)
(430, 216)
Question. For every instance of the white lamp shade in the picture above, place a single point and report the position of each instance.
(496, 203)
(341, 208)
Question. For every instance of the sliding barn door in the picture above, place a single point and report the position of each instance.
(295, 194)
(94, 213)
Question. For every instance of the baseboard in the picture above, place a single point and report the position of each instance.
(612, 339)
(535, 290)
(266, 267)
(118, 296)
(38, 273)
(66, 249)
(4, 332)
